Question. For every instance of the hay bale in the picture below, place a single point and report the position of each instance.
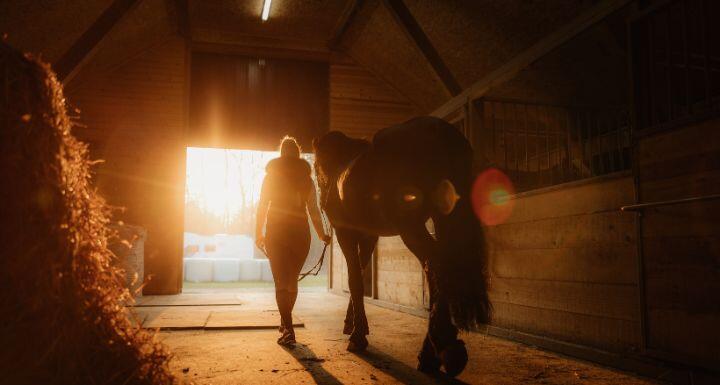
(61, 300)
(129, 250)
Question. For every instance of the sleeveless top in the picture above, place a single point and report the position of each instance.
(287, 185)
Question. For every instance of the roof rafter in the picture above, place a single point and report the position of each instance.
(344, 22)
(407, 22)
(72, 60)
(550, 42)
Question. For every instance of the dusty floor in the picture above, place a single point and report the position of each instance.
(253, 357)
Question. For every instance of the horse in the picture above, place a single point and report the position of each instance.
(394, 184)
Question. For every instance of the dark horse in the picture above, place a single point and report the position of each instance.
(392, 185)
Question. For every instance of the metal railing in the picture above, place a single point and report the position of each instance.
(540, 145)
(649, 205)
(676, 63)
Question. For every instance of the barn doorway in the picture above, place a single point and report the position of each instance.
(222, 191)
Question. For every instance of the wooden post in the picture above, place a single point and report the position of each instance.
(344, 22)
(72, 60)
(411, 27)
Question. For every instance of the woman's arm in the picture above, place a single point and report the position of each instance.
(260, 218)
(312, 206)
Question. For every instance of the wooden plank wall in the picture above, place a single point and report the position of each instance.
(681, 243)
(399, 274)
(564, 265)
(134, 119)
(361, 104)
(339, 270)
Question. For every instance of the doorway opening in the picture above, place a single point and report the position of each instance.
(222, 191)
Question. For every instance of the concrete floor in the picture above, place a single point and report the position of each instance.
(253, 357)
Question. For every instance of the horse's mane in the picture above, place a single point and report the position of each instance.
(333, 153)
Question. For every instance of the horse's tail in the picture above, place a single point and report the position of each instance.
(462, 275)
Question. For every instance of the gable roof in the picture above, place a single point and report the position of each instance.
(471, 37)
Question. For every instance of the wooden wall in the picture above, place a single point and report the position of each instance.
(361, 104)
(400, 276)
(564, 265)
(134, 119)
(681, 243)
(245, 102)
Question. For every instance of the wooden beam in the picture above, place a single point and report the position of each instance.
(183, 18)
(69, 64)
(344, 22)
(228, 37)
(407, 22)
(278, 52)
(552, 41)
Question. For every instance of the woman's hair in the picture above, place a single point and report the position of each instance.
(289, 147)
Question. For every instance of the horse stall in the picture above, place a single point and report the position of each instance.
(570, 269)
(554, 167)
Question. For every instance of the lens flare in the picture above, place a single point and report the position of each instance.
(492, 197)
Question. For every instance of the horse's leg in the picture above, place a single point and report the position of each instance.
(422, 245)
(366, 247)
(428, 361)
(442, 334)
(349, 243)
(365, 251)
(348, 325)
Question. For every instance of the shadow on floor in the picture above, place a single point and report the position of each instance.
(402, 372)
(312, 364)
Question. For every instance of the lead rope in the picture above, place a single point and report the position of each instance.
(315, 270)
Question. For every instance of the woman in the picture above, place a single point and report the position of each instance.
(287, 192)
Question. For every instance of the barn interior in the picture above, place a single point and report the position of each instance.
(599, 117)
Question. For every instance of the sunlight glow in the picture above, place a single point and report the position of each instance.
(225, 182)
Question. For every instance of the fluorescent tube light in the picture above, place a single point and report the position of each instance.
(266, 10)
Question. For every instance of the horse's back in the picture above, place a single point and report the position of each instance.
(422, 135)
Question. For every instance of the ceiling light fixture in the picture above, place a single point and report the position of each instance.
(266, 10)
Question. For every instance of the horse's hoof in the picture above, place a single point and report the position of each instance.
(357, 344)
(348, 328)
(454, 358)
(428, 363)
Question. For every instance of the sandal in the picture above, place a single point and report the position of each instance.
(287, 338)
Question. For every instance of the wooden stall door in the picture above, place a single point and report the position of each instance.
(681, 244)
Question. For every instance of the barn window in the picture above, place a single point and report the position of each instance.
(676, 63)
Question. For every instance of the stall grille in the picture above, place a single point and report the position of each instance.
(676, 63)
(540, 145)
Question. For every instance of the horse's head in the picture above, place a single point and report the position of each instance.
(333, 152)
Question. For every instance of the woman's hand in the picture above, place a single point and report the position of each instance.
(326, 238)
(260, 242)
